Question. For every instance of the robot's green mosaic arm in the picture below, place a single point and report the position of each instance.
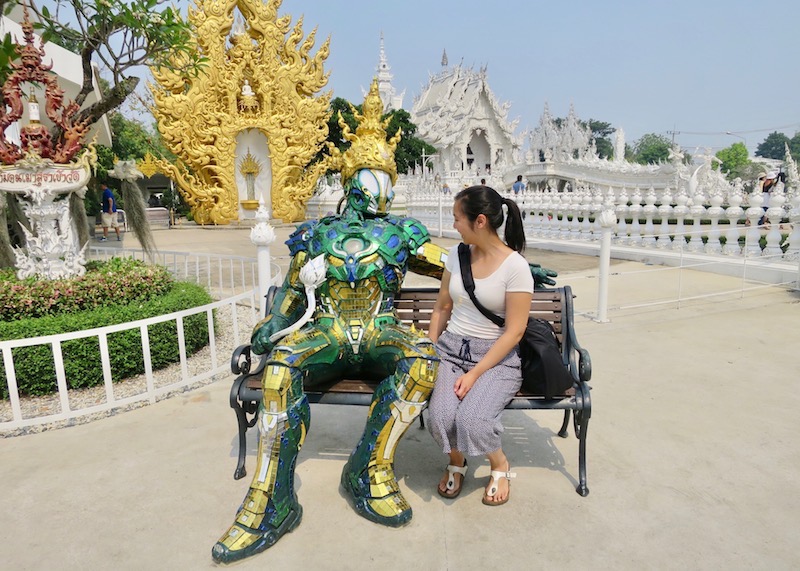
(290, 300)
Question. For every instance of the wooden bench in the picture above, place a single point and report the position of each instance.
(415, 305)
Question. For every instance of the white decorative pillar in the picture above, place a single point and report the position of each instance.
(696, 213)
(635, 209)
(753, 234)
(586, 210)
(622, 211)
(597, 208)
(607, 221)
(664, 211)
(775, 215)
(793, 251)
(733, 213)
(566, 212)
(649, 211)
(680, 210)
(715, 211)
(575, 208)
(262, 235)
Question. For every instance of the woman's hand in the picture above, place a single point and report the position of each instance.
(464, 384)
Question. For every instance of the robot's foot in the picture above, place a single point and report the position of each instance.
(240, 542)
(390, 509)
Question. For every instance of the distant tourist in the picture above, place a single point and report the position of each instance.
(109, 214)
(518, 186)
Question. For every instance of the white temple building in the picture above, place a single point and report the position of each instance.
(392, 100)
(459, 115)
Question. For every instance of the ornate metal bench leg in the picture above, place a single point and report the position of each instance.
(582, 488)
(241, 420)
(563, 433)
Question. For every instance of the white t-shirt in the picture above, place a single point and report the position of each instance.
(513, 275)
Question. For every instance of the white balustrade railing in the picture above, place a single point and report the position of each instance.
(223, 275)
(645, 219)
(229, 323)
(233, 280)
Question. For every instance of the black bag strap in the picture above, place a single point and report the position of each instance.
(469, 285)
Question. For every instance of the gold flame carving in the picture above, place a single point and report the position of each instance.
(262, 76)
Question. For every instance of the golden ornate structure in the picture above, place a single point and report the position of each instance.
(262, 76)
(250, 167)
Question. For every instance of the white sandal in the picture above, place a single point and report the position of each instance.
(452, 491)
(490, 493)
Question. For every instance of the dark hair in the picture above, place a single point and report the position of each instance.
(476, 200)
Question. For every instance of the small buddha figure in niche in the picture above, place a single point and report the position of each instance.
(248, 102)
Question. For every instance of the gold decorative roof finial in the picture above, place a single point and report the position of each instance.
(369, 148)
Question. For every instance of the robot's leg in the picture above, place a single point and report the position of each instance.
(270, 508)
(368, 477)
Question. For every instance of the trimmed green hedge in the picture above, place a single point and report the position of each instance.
(35, 371)
(121, 280)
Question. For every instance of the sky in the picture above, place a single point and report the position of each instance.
(689, 69)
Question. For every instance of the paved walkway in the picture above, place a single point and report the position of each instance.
(689, 466)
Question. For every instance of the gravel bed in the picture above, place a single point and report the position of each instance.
(199, 362)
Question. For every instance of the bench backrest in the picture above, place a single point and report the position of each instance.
(415, 305)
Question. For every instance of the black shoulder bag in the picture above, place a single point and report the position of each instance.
(543, 371)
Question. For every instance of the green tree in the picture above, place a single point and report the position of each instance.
(794, 146)
(651, 148)
(121, 37)
(773, 147)
(733, 158)
(601, 131)
(409, 150)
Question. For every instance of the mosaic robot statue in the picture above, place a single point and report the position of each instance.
(331, 319)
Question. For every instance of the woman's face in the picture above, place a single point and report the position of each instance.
(461, 223)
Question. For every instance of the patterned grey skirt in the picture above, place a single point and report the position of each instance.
(472, 425)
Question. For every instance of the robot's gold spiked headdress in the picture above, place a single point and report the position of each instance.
(369, 148)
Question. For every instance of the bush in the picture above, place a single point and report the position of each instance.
(34, 366)
(119, 280)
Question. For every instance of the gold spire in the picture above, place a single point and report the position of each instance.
(369, 148)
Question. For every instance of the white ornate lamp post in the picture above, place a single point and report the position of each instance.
(262, 235)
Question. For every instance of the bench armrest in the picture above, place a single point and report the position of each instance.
(241, 360)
